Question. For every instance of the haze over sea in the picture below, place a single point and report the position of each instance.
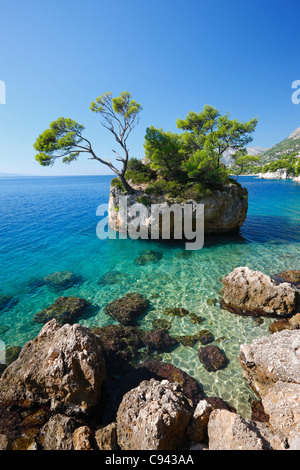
(49, 225)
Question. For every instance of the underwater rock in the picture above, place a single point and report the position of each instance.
(64, 310)
(205, 336)
(196, 319)
(184, 254)
(58, 281)
(158, 340)
(212, 302)
(252, 292)
(159, 410)
(212, 358)
(7, 301)
(3, 329)
(119, 342)
(290, 276)
(292, 323)
(176, 312)
(161, 323)
(127, 308)
(149, 256)
(111, 277)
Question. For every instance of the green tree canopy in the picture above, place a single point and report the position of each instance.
(64, 137)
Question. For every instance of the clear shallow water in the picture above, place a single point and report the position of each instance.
(49, 225)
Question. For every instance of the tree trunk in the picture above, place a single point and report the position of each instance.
(126, 185)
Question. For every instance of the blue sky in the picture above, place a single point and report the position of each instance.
(174, 56)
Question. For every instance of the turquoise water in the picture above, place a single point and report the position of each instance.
(49, 225)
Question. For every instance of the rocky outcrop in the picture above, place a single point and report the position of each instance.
(280, 174)
(270, 359)
(229, 431)
(251, 292)
(159, 411)
(271, 365)
(62, 366)
(225, 210)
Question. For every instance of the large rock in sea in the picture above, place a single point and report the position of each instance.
(64, 310)
(225, 209)
(62, 366)
(153, 416)
(126, 309)
(251, 292)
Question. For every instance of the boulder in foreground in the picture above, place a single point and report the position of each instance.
(62, 366)
(251, 292)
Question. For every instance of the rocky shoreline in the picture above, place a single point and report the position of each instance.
(73, 388)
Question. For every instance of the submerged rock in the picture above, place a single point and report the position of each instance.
(292, 323)
(58, 280)
(7, 301)
(149, 256)
(176, 312)
(62, 366)
(290, 276)
(212, 358)
(158, 340)
(161, 323)
(111, 277)
(64, 310)
(119, 342)
(252, 292)
(159, 410)
(203, 336)
(126, 309)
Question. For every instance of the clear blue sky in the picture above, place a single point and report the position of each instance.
(173, 55)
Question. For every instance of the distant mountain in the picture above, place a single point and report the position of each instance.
(287, 146)
(227, 160)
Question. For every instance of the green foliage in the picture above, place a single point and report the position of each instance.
(62, 139)
(143, 200)
(116, 183)
(164, 151)
(195, 155)
(138, 172)
(123, 105)
(290, 162)
(243, 162)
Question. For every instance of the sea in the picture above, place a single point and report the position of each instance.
(48, 225)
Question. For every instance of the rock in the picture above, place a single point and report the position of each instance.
(120, 345)
(161, 323)
(63, 366)
(290, 276)
(4, 442)
(3, 329)
(57, 434)
(176, 312)
(229, 431)
(212, 358)
(295, 444)
(159, 411)
(149, 256)
(61, 280)
(111, 277)
(64, 310)
(282, 404)
(82, 438)
(126, 309)
(106, 438)
(197, 429)
(27, 441)
(7, 301)
(280, 174)
(270, 359)
(292, 323)
(196, 319)
(203, 336)
(252, 292)
(158, 340)
(225, 210)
